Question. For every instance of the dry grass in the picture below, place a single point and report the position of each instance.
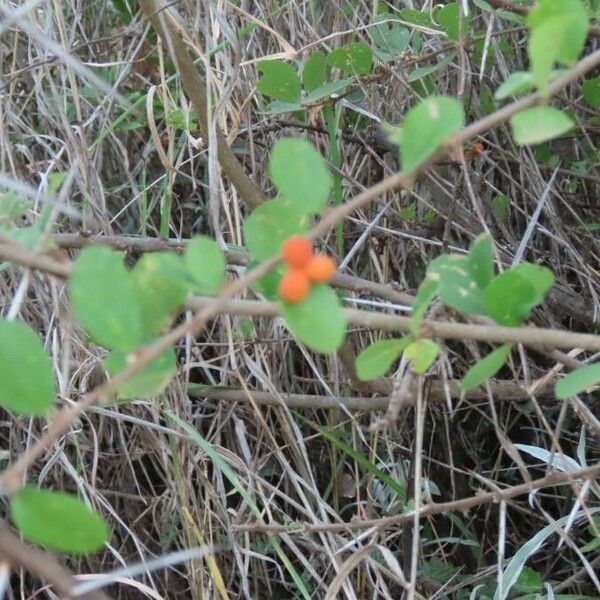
(159, 490)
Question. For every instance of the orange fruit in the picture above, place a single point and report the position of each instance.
(321, 268)
(297, 252)
(294, 286)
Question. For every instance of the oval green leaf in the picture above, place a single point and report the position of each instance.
(509, 298)
(422, 353)
(456, 286)
(389, 37)
(481, 260)
(564, 25)
(270, 225)
(578, 381)
(104, 299)
(559, 31)
(375, 360)
(484, 369)
(279, 81)
(206, 264)
(448, 17)
(319, 321)
(539, 124)
(26, 379)
(268, 285)
(58, 521)
(326, 90)
(300, 174)
(591, 91)
(425, 294)
(315, 68)
(519, 82)
(427, 127)
(161, 286)
(150, 381)
(353, 59)
(541, 278)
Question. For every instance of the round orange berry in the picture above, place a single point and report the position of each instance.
(294, 286)
(297, 252)
(321, 268)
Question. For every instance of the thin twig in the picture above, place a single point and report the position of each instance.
(437, 392)
(434, 508)
(195, 88)
(529, 336)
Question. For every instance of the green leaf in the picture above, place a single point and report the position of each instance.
(578, 381)
(559, 31)
(484, 369)
(319, 321)
(539, 124)
(448, 18)
(422, 72)
(150, 381)
(425, 294)
(301, 175)
(515, 565)
(28, 237)
(161, 286)
(177, 118)
(314, 71)
(481, 260)
(26, 380)
(500, 206)
(58, 521)
(354, 59)
(516, 83)
(541, 278)
(456, 286)
(389, 37)
(509, 298)
(419, 18)
(12, 207)
(326, 90)
(427, 127)
(278, 108)
(104, 299)
(529, 581)
(544, 10)
(423, 353)
(270, 225)
(279, 81)
(375, 360)
(123, 10)
(591, 91)
(206, 264)
(269, 283)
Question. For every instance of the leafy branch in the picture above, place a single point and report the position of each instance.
(131, 318)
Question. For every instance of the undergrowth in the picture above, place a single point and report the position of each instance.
(265, 456)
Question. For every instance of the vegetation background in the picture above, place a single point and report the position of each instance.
(281, 480)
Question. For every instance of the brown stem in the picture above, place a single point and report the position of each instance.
(496, 334)
(436, 393)
(195, 87)
(463, 505)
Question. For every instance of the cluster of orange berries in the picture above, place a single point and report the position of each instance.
(305, 268)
